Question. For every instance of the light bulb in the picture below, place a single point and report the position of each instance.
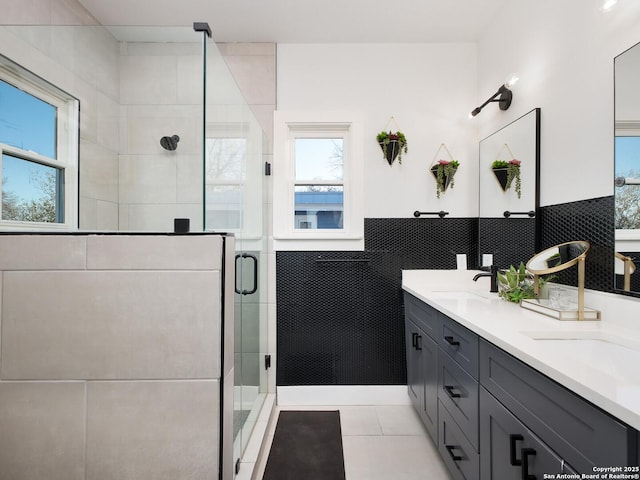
(607, 5)
(513, 79)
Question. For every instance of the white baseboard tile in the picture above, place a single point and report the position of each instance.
(343, 395)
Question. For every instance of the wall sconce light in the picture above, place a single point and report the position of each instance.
(503, 96)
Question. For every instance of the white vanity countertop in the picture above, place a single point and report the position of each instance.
(605, 378)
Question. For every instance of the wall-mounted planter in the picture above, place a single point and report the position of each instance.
(392, 144)
(444, 177)
(503, 178)
(443, 171)
(391, 150)
(506, 173)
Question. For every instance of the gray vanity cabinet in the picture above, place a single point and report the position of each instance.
(458, 438)
(510, 451)
(494, 417)
(578, 432)
(422, 358)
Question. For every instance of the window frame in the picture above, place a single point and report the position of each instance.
(67, 145)
(312, 132)
(627, 239)
(288, 126)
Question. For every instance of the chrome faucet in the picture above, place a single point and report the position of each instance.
(493, 273)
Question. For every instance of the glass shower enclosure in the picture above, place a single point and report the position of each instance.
(165, 140)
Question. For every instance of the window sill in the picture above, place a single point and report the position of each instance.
(329, 242)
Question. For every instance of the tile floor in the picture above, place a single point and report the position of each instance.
(383, 443)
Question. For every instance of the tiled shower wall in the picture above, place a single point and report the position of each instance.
(110, 356)
(340, 314)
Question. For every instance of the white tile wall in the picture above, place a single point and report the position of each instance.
(192, 252)
(148, 80)
(146, 124)
(110, 349)
(152, 430)
(159, 217)
(147, 179)
(42, 430)
(98, 168)
(111, 324)
(28, 252)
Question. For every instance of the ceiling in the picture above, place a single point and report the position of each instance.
(310, 21)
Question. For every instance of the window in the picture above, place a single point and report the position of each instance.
(38, 143)
(225, 178)
(317, 182)
(627, 166)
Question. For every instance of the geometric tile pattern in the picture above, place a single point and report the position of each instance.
(340, 317)
(590, 220)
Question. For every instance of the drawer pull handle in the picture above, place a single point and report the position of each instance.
(450, 392)
(450, 449)
(451, 341)
(418, 341)
(413, 339)
(526, 453)
(513, 438)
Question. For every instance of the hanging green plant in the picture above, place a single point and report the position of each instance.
(444, 171)
(392, 145)
(506, 172)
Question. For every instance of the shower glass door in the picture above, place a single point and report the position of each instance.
(234, 203)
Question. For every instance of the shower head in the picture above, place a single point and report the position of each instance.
(170, 143)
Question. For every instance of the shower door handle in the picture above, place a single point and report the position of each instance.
(255, 274)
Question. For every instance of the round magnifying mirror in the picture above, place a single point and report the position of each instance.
(557, 258)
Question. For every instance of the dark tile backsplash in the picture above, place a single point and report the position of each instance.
(340, 314)
(590, 220)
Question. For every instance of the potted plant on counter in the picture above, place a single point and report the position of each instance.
(444, 172)
(392, 145)
(506, 172)
(516, 284)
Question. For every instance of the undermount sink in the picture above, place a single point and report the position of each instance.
(609, 353)
(458, 295)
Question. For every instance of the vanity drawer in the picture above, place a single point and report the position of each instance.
(458, 454)
(458, 392)
(423, 315)
(460, 343)
(579, 432)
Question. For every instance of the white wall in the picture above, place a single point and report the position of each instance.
(81, 60)
(428, 88)
(563, 53)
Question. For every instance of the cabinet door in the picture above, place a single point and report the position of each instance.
(509, 450)
(458, 392)
(582, 434)
(430, 369)
(424, 316)
(460, 343)
(415, 374)
(458, 454)
(422, 376)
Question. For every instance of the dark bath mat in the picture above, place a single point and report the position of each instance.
(306, 445)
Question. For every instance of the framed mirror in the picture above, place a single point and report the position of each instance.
(509, 226)
(627, 171)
